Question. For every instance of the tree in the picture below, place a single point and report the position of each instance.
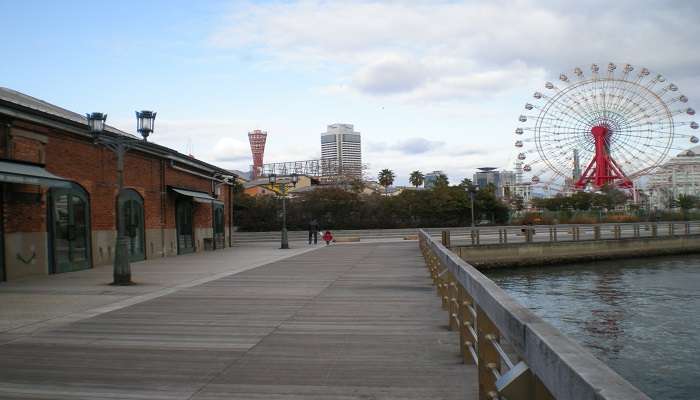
(686, 202)
(386, 178)
(467, 184)
(441, 181)
(416, 178)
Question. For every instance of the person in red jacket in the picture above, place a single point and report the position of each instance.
(328, 237)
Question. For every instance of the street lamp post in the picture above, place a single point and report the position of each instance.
(120, 144)
(294, 178)
(472, 192)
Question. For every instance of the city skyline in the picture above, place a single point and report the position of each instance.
(438, 86)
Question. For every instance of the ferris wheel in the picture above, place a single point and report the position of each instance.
(604, 127)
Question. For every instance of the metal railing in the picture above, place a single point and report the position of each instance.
(563, 233)
(517, 354)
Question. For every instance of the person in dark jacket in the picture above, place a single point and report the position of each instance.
(313, 231)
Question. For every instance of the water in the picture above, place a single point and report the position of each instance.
(641, 317)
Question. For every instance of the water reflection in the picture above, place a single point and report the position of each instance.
(639, 316)
(604, 323)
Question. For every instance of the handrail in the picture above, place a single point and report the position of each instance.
(570, 232)
(547, 364)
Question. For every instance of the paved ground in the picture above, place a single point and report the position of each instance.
(36, 303)
(345, 322)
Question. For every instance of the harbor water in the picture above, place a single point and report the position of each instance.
(639, 316)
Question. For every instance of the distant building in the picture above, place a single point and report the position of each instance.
(340, 142)
(486, 176)
(431, 178)
(504, 182)
(679, 175)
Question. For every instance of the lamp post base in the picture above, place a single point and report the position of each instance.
(285, 240)
(122, 269)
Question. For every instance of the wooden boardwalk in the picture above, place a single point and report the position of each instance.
(344, 322)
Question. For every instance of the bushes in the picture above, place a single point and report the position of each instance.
(339, 209)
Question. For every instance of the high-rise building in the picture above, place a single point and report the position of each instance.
(340, 142)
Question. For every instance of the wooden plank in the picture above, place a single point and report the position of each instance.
(346, 322)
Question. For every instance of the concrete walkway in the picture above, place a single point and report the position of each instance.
(37, 303)
(344, 322)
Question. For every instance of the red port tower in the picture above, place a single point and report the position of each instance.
(257, 139)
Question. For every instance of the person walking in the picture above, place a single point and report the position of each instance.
(328, 237)
(313, 231)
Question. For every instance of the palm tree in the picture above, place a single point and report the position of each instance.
(416, 178)
(386, 178)
(442, 181)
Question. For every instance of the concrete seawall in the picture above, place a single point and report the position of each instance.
(544, 253)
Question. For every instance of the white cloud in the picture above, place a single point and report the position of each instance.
(439, 50)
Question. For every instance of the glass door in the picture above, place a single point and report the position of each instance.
(183, 222)
(70, 230)
(219, 233)
(132, 221)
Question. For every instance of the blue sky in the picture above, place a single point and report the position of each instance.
(430, 85)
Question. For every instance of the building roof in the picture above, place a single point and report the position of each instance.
(24, 100)
(23, 106)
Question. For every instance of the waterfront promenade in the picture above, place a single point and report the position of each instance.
(352, 321)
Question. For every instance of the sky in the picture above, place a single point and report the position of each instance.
(430, 85)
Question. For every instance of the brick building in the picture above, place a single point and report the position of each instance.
(58, 203)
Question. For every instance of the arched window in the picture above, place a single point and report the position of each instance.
(69, 229)
(131, 218)
(219, 232)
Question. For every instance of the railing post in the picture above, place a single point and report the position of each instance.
(473, 236)
(636, 231)
(446, 238)
(551, 234)
(654, 230)
(505, 235)
(577, 233)
(596, 232)
(687, 228)
(671, 229)
(556, 228)
(489, 359)
(528, 234)
(467, 329)
(478, 238)
(618, 232)
(453, 306)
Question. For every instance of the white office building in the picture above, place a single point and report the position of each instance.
(679, 175)
(340, 142)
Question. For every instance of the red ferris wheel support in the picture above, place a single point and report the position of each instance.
(602, 170)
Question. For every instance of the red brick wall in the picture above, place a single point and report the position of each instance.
(95, 169)
(24, 209)
(26, 149)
